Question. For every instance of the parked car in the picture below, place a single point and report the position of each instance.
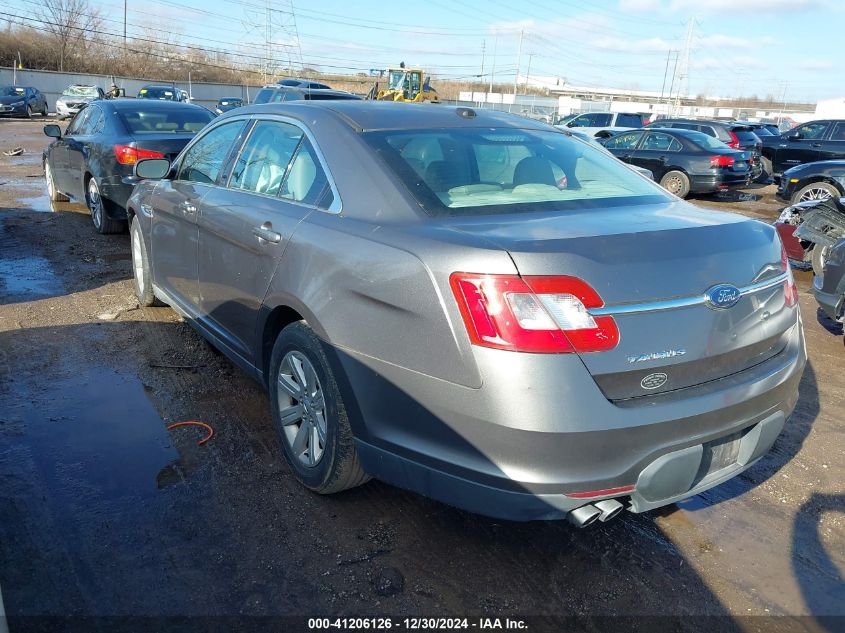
(473, 306)
(812, 181)
(604, 124)
(808, 228)
(275, 93)
(829, 284)
(734, 135)
(22, 101)
(761, 128)
(103, 142)
(303, 83)
(76, 97)
(228, 103)
(807, 143)
(162, 93)
(683, 161)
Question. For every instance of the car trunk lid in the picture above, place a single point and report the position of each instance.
(168, 144)
(652, 266)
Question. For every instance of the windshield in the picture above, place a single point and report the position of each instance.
(11, 91)
(396, 79)
(158, 93)
(158, 121)
(481, 171)
(80, 91)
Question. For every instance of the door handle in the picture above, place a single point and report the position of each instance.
(265, 232)
(816, 145)
(187, 208)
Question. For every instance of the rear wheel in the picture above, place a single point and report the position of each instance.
(54, 194)
(97, 205)
(815, 191)
(767, 170)
(29, 112)
(44, 109)
(676, 182)
(309, 414)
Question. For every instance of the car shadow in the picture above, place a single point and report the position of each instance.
(831, 325)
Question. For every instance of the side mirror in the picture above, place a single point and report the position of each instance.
(795, 136)
(152, 168)
(53, 131)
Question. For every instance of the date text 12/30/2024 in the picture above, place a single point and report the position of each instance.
(416, 624)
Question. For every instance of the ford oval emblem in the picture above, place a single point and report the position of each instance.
(653, 381)
(722, 296)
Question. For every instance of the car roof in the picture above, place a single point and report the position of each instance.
(147, 104)
(672, 131)
(385, 115)
(165, 86)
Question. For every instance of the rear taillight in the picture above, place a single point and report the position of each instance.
(734, 140)
(790, 291)
(721, 161)
(532, 314)
(128, 155)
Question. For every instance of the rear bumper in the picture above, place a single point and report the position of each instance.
(518, 450)
(709, 183)
(113, 188)
(830, 302)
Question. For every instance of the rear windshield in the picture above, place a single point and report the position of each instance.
(480, 171)
(263, 95)
(318, 96)
(705, 141)
(158, 93)
(746, 135)
(81, 91)
(186, 120)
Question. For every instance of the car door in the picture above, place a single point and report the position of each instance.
(622, 145)
(176, 206)
(833, 145)
(277, 179)
(79, 148)
(799, 146)
(59, 154)
(656, 153)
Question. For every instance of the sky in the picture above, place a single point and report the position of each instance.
(785, 48)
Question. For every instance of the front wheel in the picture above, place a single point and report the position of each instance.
(676, 182)
(815, 191)
(29, 112)
(97, 205)
(309, 414)
(142, 275)
(766, 174)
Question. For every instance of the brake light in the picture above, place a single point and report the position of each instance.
(721, 161)
(790, 291)
(128, 155)
(532, 314)
(734, 140)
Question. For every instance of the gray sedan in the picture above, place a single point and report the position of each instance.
(474, 306)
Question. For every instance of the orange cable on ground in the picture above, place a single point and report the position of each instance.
(194, 423)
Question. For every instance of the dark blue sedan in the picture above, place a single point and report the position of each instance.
(102, 144)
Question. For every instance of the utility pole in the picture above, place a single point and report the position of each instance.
(493, 70)
(124, 27)
(672, 85)
(518, 62)
(665, 73)
(782, 102)
(683, 83)
(528, 72)
(267, 42)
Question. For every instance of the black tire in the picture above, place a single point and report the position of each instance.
(55, 195)
(97, 206)
(818, 256)
(142, 278)
(676, 182)
(29, 112)
(337, 467)
(44, 110)
(815, 191)
(766, 174)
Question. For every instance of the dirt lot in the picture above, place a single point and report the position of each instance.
(104, 512)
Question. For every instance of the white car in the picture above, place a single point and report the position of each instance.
(604, 124)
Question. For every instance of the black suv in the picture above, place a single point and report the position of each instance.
(735, 135)
(274, 93)
(807, 143)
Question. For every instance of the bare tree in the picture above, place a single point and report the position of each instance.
(73, 23)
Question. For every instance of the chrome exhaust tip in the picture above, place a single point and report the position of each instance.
(609, 508)
(584, 516)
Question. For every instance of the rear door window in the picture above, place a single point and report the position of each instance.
(838, 131)
(659, 142)
(204, 160)
(306, 182)
(263, 161)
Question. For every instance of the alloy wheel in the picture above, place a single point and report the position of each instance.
(95, 203)
(816, 193)
(302, 408)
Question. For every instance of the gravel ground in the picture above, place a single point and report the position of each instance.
(104, 512)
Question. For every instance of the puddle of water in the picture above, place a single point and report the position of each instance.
(28, 278)
(96, 434)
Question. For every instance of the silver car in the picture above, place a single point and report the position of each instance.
(76, 97)
(473, 306)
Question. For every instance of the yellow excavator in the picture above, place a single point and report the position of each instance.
(405, 84)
